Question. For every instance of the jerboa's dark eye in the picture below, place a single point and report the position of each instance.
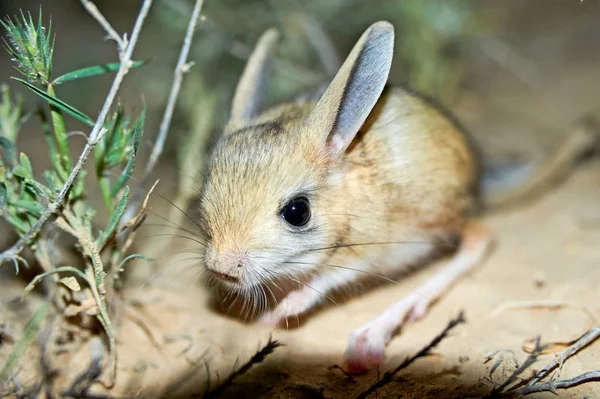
(297, 212)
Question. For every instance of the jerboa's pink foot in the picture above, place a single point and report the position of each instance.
(366, 345)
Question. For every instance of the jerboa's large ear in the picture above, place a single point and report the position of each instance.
(250, 89)
(354, 91)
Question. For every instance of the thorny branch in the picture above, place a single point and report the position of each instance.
(503, 388)
(112, 33)
(534, 384)
(552, 386)
(581, 343)
(258, 357)
(183, 66)
(388, 376)
(95, 135)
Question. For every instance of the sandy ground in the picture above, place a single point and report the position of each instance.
(499, 300)
(541, 279)
(528, 286)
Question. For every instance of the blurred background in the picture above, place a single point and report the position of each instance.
(516, 73)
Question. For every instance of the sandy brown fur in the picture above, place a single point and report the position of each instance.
(388, 176)
(374, 196)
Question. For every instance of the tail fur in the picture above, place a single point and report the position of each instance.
(516, 185)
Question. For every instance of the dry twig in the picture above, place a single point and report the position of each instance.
(503, 388)
(112, 33)
(552, 386)
(183, 66)
(535, 384)
(258, 357)
(584, 341)
(388, 376)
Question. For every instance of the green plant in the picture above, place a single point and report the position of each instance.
(27, 201)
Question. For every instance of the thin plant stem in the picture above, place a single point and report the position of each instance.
(62, 269)
(104, 319)
(94, 276)
(181, 69)
(95, 135)
(552, 386)
(60, 132)
(581, 343)
(112, 33)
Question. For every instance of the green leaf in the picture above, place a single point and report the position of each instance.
(26, 164)
(103, 146)
(59, 103)
(116, 139)
(93, 71)
(30, 47)
(55, 159)
(11, 116)
(24, 170)
(114, 219)
(60, 131)
(45, 44)
(3, 196)
(32, 207)
(20, 225)
(60, 170)
(62, 269)
(9, 149)
(138, 130)
(29, 189)
(41, 189)
(51, 179)
(132, 257)
(47, 130)
(137, 133)
(123, 177)
(71, 283)
(19, 171)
